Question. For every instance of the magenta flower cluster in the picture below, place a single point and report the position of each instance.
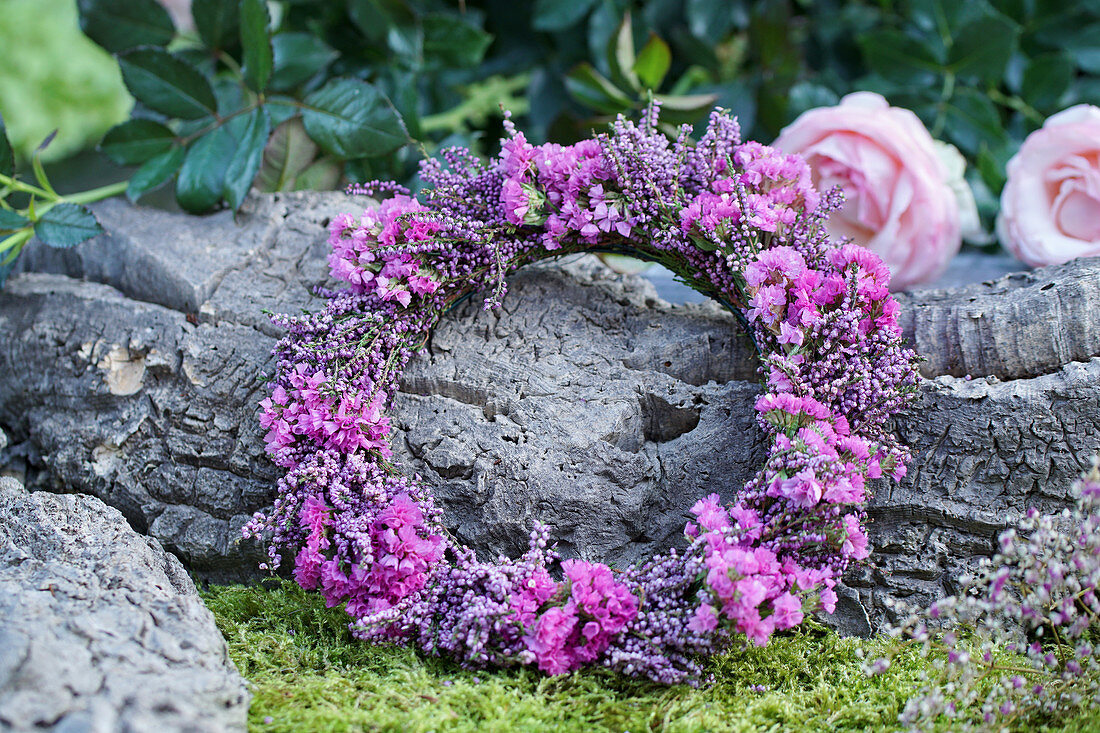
(739, 221)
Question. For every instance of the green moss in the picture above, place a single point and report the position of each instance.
(55, 78)
(308, 673)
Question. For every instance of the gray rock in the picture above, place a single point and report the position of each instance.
(586, 402)
(102, 630)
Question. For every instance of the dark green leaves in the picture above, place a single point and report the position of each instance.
(593, 89)
(557, 15)
(297, 58)
(7, 157)
(451, 41)
(289, 152)
(155, 173)
(1046, 79)
(216, 21)
(117, 25)
(256, 42)
(246, 161)
(66, 225)
(973, 120)
(202, 178)
(898, 57)
(982, 47)
(135, 141)
(167, 85)
(352, 119)
(10, 221)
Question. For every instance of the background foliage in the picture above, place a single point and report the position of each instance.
(295, 94)
(55, 78)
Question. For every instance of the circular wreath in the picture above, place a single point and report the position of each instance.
(740, 222)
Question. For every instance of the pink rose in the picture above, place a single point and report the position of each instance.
(1050, 206)
(900, 197)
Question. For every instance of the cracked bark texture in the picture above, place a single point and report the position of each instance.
(102, 629)
(586, 402)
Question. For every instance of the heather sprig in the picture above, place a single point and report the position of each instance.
(1020, 638)
(739, 221)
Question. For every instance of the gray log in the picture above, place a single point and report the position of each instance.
(102, 630)
(586, 402)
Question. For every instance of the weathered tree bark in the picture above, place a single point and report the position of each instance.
(130, 373)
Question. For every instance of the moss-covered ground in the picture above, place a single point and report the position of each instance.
(308, 674)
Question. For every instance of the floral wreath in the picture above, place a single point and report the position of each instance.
(740, 222)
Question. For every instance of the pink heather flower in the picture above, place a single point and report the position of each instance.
(336, 228)
(828, 599)
(422, 285)
(758, 630)
(786, 611)
(803, 488)
(514, 200)
(549, 641)
(314, 515)
(711, 515)
(855, 546)
(789, 334)
(766, 304)
(534, 591)
(517, 156)
(704, 620)
(842, 491)
(307, 567)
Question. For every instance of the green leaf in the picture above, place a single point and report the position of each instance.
(807, 95)
(983, 47)
(991, 169)
(117, 25)
(450, 41)
(653, 62)
(323, 175)
(289, 151)
(898, 57)
(202, 178)
(136, 141)
(298, 57)
(620, 55)
(1046, 79)
(351, 119)
(972, 120)
(66, 225)
(594, 90)
(711, 20)
(1084, 46)
(167, 85)
(155, 173)
(7, 157)
(557, 15)
(374, 18)
(681, 108)
(256, 42)
(216, 21)
(10, 220)
(246, 161)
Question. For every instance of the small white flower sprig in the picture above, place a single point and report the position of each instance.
(740, 222)
(1020, 638)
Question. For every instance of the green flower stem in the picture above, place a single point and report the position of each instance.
(16, 185)
(97, 194)
(941, 107)
(1017, 104)
(16, 240)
